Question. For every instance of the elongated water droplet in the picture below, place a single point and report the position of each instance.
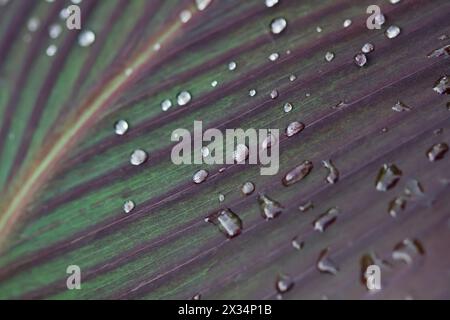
(298, 173)
(388, 177)
(292, 77)
(407, 250)
(128, 206)
(400, 107)
(325, 220)
(437, 151)
(200, 176)
(284, 283)
(227, 221)
(269, 141)
(297, 243)
(248, 188)
(274, 94)
(333, 173)
(325, 264)
(138, 157)
(306, 206)
(294, 128)
(440, 52)
(396, 206)
(121, 127)
(442, 86)
(270, 209)
(278, 25)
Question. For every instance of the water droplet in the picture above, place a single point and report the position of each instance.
(33, 24)
(440, 52)
(185, 16)
(270, 209)
(287, 107)
(252, 93)
(388, 177)
(269, 141)
(325, 264)
(128, 206)
(414, 190)
(298, 173)
(401, 107)
(278, 25)
(271, 3)
(121, 127)
(227, 221)
(367, 48)
(442, 86)
(297, 243)
(232, 66)
(138, 157)
(396, 206)
(166, 105)
(437, 151)
(294, 128)
(241, 153)
(184, 98)
(86, 38)
(214, 83)
(392, 32)
(407, 250)
(202, 4)
(319, 29)
(333, 173)
(380, 19)
(198, 296)
(292, 77)
(326, 219)
(347, 23)
(51, 50)
(200, 176)
(306, 206)
(221, 198)
(274, 94)
(329, 56)
(248, 188)
(205, 152)
(284, 283)
(274, 56)
(360, 59)
(54, 31)
(370, 259)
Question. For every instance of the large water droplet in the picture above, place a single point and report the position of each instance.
(271, 3)
(184, 98)
(121, 127)
(388, 177)
(227, 221)
(86, 38)
(298, 173)
(437, 151)
(294, 128)
(138, 157)
(278, 25)
(407, 250)
(200, 176)
(270, 209)
(284, 283)
(325, 264)
(442, 86)
(392, 32)
(333, 173)
(326, 219)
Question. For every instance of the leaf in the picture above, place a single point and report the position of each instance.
(65, 175)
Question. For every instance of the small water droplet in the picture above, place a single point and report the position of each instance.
(400, 107)
(252, 93)
(166, 105)
(298, 173)
(185, 16)
(121, 127)
(396, 206)
(333, 173)
(274, 94)
(278, 25)
(270, 209)
(329, 56)
(198, 296)
(387, 178)
(33, 24)
(214, 83)
(287, 107)
(232, 66)
(184, 98)
(306, 206)
(392, 32)
(128, 206)
(442, 86)
(274, 56)
(380, 19)
(367, 48)
(241, 153)
(297, 243)
(269, 141)
(200, 176)
(437, 151)
(51, 50)
(292, 77)
(325, 264)
(138, 157)
(319, 29)
(227, 221)
(326, 219)
(221, 198)
(347, 23)
(294, 128)
(205, 152)
(414, 190)
(86, 38)
(54, 31)
(284, 283)
(202, 4)
(407, 250)
(370, 259)
(360, 59)
(248, 188)
(271, 3)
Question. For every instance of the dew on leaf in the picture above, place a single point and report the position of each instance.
(292, 77)
(329, 56)
(360, 59)
(396, 206)
(400, 107)
(274, 94)
(284, 283)
(294, 128)
(407, 250)
(445, 50)
(367, 48)
(248, 188)
(347, 23)
(227, 221)
(269, 141)
(325, 264)
(325, 220)
(274, 57)
(297, 244)
(306, 206)
(271, 3)
(232, 66)
(200, 176)
(298, 173)
(128, 206)
(278, 25)
(414, 189)
(387, 178)
(437, 151)
(333, 173)
(442, 86)
(121, 127)
(392, 32)
(202, 4)
(287, 107)
(252, 93)
(86, 38)
(241, 153)
(54, 31)
(184, 98)
(270, 209)
(166, 105)
(138, 157)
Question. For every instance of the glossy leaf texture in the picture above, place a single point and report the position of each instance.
(65, 174)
